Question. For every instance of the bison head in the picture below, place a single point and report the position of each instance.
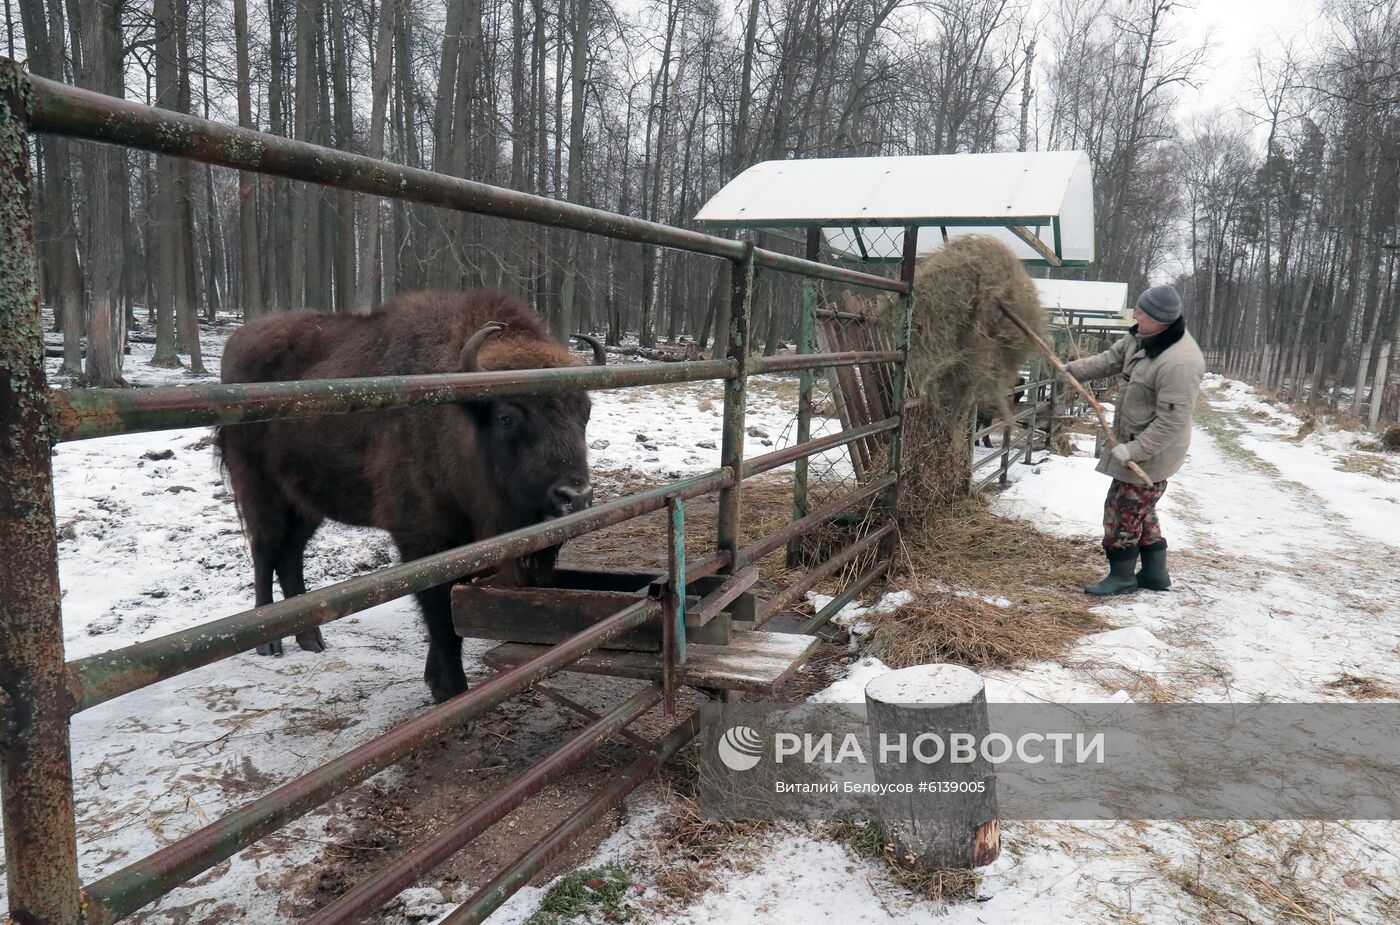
(535, 446)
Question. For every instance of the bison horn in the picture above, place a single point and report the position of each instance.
(469, 363)
(600, 356)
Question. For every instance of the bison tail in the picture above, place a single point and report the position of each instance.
(221, 457)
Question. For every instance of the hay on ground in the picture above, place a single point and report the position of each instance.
(964, 554)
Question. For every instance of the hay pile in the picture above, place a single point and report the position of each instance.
(967, 554)
(962, 352)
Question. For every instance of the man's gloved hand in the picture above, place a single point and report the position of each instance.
(1121, 454)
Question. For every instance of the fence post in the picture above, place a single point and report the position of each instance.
(673, 613)
(36, 771)
(731, 453)
(806, 343)
(1378, 385)
(903, 328)
(1362, 368)
(1033, 395)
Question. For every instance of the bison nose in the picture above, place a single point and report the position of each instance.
(570, 498)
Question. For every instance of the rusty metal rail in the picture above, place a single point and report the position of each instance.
(489, 898)
(60, 109)
(99, 678)
(130, 888)
(79, 414)
(409, 867)
(40, 692)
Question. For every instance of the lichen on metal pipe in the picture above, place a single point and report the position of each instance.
(36, 775)
(81, 414)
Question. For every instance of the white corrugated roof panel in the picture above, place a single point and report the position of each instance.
(1082, 296)
(1050, 193)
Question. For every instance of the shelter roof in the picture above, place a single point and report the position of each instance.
(1041, 203)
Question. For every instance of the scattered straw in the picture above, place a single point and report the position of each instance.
(868, 840)
(965, 553)
(1362, 688)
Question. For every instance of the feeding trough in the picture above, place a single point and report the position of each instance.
(722, 649)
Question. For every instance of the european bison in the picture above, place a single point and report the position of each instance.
(434, 477)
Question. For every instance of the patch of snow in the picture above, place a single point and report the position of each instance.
(850, 687)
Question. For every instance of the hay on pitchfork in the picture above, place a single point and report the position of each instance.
(963, 351)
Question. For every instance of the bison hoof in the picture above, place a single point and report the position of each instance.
(444, 690)
(312, 640)
(271, 648)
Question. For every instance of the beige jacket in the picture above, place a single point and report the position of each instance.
(1163, 378)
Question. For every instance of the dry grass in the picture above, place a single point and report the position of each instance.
(868, 840)
(1361, 688)
(1372, 464)
(641, 542)
(967, 548)
(692, 853)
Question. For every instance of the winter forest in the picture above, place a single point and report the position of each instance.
(1277, 216)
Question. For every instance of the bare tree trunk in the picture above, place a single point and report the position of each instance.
(1023, 137)
(187, 297)
(578, 67)
(105, 168)
(739, 157)
(366, 288)
(279, 248)
(251, 288)
(58, 238)
(305, 241)
(165, 242)
(344, 262)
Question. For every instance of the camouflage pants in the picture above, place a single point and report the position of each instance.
(1130, 515)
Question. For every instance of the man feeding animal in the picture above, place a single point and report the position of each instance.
(1162, 370)
(434, 477)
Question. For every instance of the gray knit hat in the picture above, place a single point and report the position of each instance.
(1161, 303)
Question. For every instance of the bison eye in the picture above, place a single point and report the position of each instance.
(506, 420)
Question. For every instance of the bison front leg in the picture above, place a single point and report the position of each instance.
(443, 670)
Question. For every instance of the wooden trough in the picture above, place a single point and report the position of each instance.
(722, 651)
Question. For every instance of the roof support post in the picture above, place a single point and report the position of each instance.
(735, 397)
(903, 328)
(806, 344)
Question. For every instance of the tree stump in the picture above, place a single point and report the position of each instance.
(938, 814)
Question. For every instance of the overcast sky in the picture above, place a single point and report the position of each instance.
(1236, 29)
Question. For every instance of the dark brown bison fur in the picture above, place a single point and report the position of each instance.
(434, 477)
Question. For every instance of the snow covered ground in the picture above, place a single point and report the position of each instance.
(1284, 591)
(1281, 552)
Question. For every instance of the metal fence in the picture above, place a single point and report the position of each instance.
(40, 691)
(1036, 407)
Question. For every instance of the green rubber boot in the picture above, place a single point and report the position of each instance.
(1120, 580)
(1153, 576)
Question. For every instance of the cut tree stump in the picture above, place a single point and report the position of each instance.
(952, 826)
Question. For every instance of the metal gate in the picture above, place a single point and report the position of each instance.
(40, 691)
